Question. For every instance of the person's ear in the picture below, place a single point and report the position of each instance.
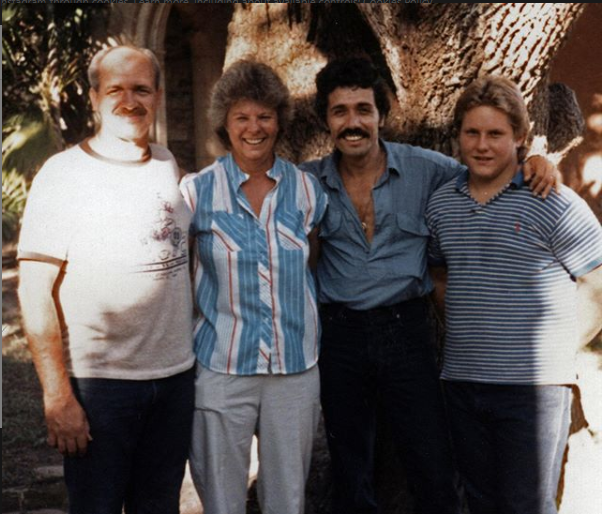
(94, 99)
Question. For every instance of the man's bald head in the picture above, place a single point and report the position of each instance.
(100, 56)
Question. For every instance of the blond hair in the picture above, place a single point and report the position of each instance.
(501, 93)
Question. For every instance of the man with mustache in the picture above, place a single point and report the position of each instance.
(373, 283)
(106, 300)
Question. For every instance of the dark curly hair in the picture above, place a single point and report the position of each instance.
(354, 72)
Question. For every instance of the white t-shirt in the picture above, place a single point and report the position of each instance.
(120, 231)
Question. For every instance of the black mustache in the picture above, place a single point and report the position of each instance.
(352, 132)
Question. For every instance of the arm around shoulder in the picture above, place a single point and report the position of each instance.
(542, 175)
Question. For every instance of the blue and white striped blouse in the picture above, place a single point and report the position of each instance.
(254, 291)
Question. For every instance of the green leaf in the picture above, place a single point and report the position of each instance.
(31, 139)
(14, 195)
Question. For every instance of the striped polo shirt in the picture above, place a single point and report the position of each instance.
(254, 291)
(511, 292)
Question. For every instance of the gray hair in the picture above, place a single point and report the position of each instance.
(95, 63)
(247, 80)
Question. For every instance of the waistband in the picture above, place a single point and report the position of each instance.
(416, 307)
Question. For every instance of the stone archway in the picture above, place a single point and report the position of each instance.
(196, 37)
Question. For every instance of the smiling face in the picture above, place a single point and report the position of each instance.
(488, 146)
(253, 130)
(126, 99)
(353, 121)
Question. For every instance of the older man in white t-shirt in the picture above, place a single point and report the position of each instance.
(106, 300)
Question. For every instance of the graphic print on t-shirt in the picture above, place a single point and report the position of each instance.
(165, 241)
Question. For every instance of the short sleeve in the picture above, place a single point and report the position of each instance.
(447, 170)
(50, 216)
(577, 238)
(188, 190)
(316, 201)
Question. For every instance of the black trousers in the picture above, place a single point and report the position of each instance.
(384, 353)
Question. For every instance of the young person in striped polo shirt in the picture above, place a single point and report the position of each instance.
(522, 283)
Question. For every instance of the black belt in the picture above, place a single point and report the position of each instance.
(403, 310)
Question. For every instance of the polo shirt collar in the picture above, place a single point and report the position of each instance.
(462, 181)
(519, 179)
(517, 182)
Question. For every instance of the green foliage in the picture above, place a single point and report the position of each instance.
(45, 53)
(14, 194)
(30, 141)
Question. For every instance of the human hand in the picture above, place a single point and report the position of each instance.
(68, 427)
(541, 175)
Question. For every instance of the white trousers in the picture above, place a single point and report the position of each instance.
(283, 410)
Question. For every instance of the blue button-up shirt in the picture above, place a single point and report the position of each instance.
(253, 287)
(393, 268)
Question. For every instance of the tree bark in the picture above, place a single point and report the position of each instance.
(428, 53)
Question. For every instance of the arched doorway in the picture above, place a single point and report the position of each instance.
(195, 48)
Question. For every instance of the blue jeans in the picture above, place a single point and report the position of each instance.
(384, 356)
(141, 436)
(509, 441)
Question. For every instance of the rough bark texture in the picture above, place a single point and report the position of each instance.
(428, 53)
(434, 51)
